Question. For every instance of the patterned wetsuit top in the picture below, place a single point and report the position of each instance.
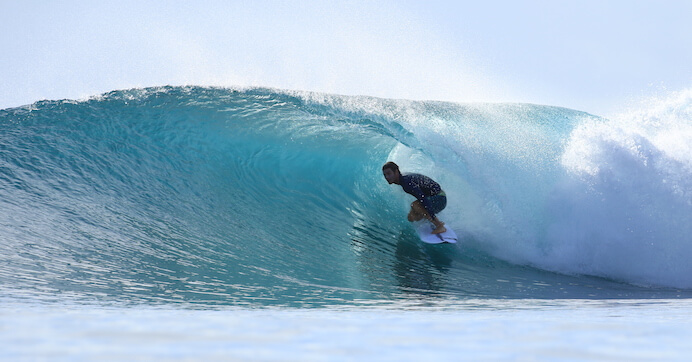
(421, 186)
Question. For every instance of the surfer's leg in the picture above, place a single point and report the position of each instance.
(439, 226)
(417, 212)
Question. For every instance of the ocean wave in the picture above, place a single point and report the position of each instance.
(261, 196)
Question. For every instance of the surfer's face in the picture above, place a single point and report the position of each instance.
(391, 176)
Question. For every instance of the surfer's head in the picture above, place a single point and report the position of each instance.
(391, 172)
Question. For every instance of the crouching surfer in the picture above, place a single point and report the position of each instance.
(430, 197)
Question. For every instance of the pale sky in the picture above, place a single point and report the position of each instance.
(594, 56)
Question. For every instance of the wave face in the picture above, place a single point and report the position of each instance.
(265, 197)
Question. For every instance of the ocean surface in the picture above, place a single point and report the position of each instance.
(255, 224)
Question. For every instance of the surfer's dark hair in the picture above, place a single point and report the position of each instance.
(392, 166)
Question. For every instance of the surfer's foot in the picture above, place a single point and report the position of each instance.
(440, 229)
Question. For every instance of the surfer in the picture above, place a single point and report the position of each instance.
(430, 197)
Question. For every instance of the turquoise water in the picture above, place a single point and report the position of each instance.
(155, 211)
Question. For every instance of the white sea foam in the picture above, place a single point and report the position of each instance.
(624, 209)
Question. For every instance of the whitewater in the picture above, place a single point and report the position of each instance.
(254, 214)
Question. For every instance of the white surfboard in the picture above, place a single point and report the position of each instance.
(425, 229)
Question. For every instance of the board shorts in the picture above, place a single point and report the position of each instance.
(438, 202)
